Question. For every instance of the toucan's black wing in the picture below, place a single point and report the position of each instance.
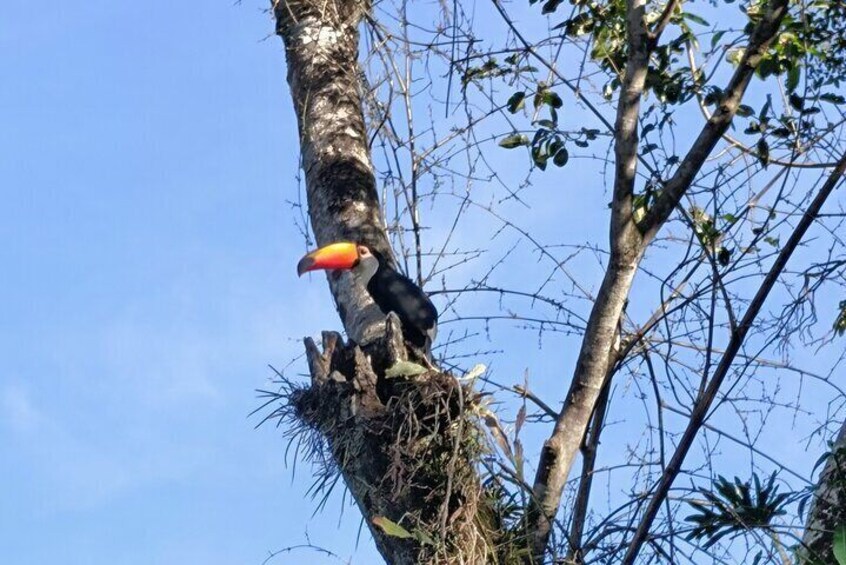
(394, 292)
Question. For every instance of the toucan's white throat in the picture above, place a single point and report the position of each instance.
(367, 267)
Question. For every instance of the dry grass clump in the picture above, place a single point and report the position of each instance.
(409, 448)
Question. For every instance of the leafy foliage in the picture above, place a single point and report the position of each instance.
(391, 528)
(491, 68)
(810, 46)
(840, 322)
(548, 142)
(734, 507)
(839, 547)
(737, 213)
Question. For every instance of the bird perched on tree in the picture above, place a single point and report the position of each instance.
(391, 290)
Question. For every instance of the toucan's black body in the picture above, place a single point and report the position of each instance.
(390, 290)
(394, 292)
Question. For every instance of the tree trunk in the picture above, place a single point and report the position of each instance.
(407, 447)
(321, 46)
(828, 511)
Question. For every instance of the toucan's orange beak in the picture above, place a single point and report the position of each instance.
(339, 255)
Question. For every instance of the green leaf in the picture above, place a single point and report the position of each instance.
(561, 157)
(745, 111)
(550, 6)
(516, 102)
(735, 56)
(540, 156)
(423, 537)
(763, 152)
(724, 256)
(477, 371)
(392, 528)
(553, 147)
(840, 323)
(545, 96)
(554, 100)
(768, 66)
(695, 19)
(763, 115)
(716, 38)
(713, 96)
(497, 432)
(639, 210)
(591, 133)
(833, 98)
(731, 508)
(514, 140)
(839, 547)
(792, 78)
(405, 369)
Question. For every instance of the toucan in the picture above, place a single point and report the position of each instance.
(391, 290)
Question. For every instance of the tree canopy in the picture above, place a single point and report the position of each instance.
(632, 212)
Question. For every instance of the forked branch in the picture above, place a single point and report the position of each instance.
(705, 402)
(627, 245)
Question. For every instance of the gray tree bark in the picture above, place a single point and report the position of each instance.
(434, 491)
(828, 510)
(406, 447)
(321, 46)
(628, 242)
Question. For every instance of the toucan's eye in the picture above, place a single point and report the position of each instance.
(363, 251)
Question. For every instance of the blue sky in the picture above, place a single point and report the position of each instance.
(145, 155)
(147, 151)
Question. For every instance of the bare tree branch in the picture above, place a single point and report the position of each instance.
(598, 345)
(321, 41)
(589, 448)
(829, 507)
(719, 122)
(704, 403)
(627, 247)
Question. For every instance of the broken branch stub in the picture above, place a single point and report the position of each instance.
(406, 446)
